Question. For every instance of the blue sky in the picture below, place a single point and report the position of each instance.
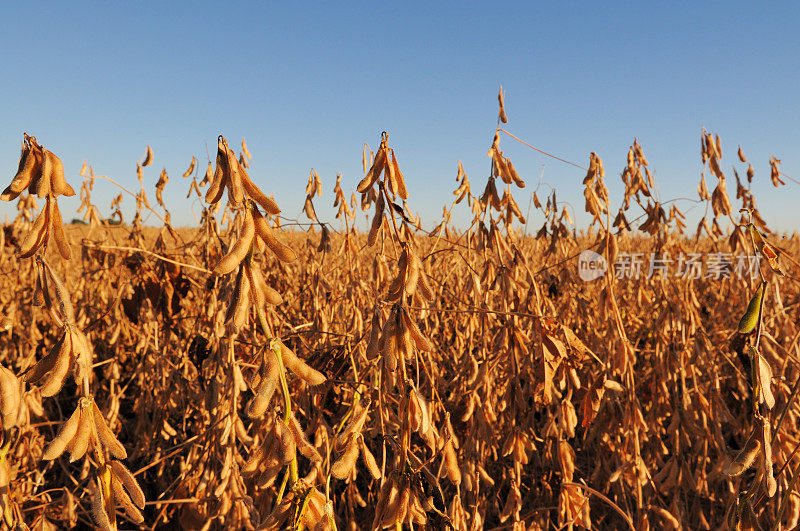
(308, 84)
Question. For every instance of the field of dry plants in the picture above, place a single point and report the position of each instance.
(245, 375)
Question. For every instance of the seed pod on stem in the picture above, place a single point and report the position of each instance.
(354, 425)
(299, 367)
(239, 249)
(39, 233)
(236, 189)
(29, 165)
(750, 318)
(283, 252)
(369, 459)
(302, 442)
(266, 387)
(377, 220)
(10, 398)
(374, 173)
(220, 177)
(58, 183)
(343, 466)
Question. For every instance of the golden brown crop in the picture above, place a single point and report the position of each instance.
(253, 377)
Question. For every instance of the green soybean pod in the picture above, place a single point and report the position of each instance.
(750, 318)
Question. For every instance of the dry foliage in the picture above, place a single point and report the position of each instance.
(239, 376)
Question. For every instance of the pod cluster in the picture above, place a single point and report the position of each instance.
(42, 173)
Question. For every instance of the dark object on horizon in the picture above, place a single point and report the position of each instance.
(110, 221)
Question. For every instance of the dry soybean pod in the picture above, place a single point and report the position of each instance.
(343, 466)
(402, 506)
(99, 512)
(355, 425)
(391, 178)
(242, 309)
(451, 463)
(419, 338)
(239, 249)
(80, 443)
(65, 435)
(236, 296)
(265, 390)
(396, 287)
(59, 184)
(148, 157)
(58, 232)
(10, 398)
(299, 367)
(130, 483)
(392, 503)
(122, 499)
(423, 287)
(514, 175)
(302, 442)
(384, 496)
(257, 295)
(208, 177)
(398, 175)
(37, 236)
(215, 190)
(369, 459)
(189, 171)
(42, 274)
(412, 274)
(54, 380)
(270, 295)
(384, 342)
(42, 186)
(235, 177)
(287, 448)
(40, 160)
(82, 354)
(106, 435)
(61, 294)
(374, 172)
(254, 460)
(27, 165)
(746, 457)
(46, 364)
(376, 222)
(281, 250)
(255, 193)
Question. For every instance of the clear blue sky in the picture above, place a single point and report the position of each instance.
(307, 84)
